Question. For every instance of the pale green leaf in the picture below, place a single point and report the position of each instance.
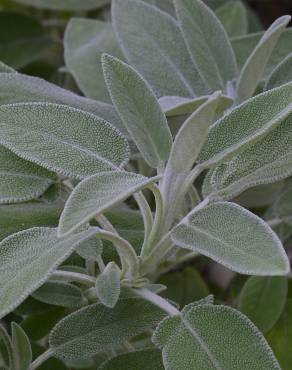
(254, 67)
(165, 5)
(234, 237)
(71, 5)
(4, 68)
(152, 42)
(98, 193)
(22, 353)
(246, 124)
(96, 328)
(85, 40)
(263, 299)
(281, 209)
(27, 260)
(91, 249)
(207, 43)
(146, 359)
(108, 286)
(266, 161)
(233, 16)
(59, 293)
(21, 180)
(213, 338)
(67, 140)
(281, 74)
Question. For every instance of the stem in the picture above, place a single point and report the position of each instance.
(73, 276)
(41, 359)
(192, 177)
(105, 223)
(158, 301)
(146, 214)
(100, 263)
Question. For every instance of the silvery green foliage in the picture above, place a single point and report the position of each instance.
(94, 246)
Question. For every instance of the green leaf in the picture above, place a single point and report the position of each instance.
(4, 68)
(28, 258)
(23, 44)
(72, 5)
(266, 161)
(254, 67)
(281, 336)
(281, 74)
(147, 37)
(246, 124)
(233, 16)
(139, 110)
(19, 88)
(98, 193)
(85, 40)
(67, 140)
(21, 180)
(166, 5)
(59, 294)
(207, 43)
(91, 249)
(199, 339)
(96, 328)
(234, 237)
(263, 299)
(147, 359)
(22, 354)
(108, 286)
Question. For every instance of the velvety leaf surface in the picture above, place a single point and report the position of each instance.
(73, 5)
(91, 249)
(139, 109)
(152, 42)
(27, 260)
(108, 286)
(234, 237)
(96, 328)
(66, 140)
(85, 40)
(199, 339)
(207, 43)
(98, 193)
(233, 16)
(22, 354)
(263, 299)
(281, 74)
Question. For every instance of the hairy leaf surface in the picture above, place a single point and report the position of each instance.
(281, 74)
(233, 16)
(22, 353)
(108, 286)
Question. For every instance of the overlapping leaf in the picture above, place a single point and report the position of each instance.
(108, 285)
(281, 74)
(22, 353)
(233, 16)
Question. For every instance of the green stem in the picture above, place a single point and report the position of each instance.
(105, 223)
(146, 215)
(41, 359)
(73, 276)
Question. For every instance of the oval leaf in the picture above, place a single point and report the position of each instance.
(22, 354)
(108, 286)
(233, 16)
(281, 74)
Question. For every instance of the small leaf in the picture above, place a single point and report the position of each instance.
(234, 237)
(96, 328)
(147, 37)
(22, 354)
(91, 249)
(71, 5)
(85, 40)
(63, 139)
(147, 359)
(254, 67)
(138, 109)
(59, 294)
(281, 74)
(263, 299)
(108, 286)
(98, 193)
(207, 43)
(233, 16)
(27, 260)
(246, 123)
(198, 340)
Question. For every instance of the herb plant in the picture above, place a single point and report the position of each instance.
(175, 163)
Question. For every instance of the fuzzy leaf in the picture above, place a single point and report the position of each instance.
(108, 286)
(71, 5)
(59, 294)
(281, 74)
(66, 140)
(246, 123)
(85, 40)
(27, 260)
(263, 299)
(139, 110)
(198, 340)
(233, 16)
(96, 328)
(254, 67)
(234, 237)
(207, 43)
(153, 44)
(98, 193)
(147, 359)
(91, 249)
(22, 354)
(21, 180)
(4, 68)
(266, 161)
